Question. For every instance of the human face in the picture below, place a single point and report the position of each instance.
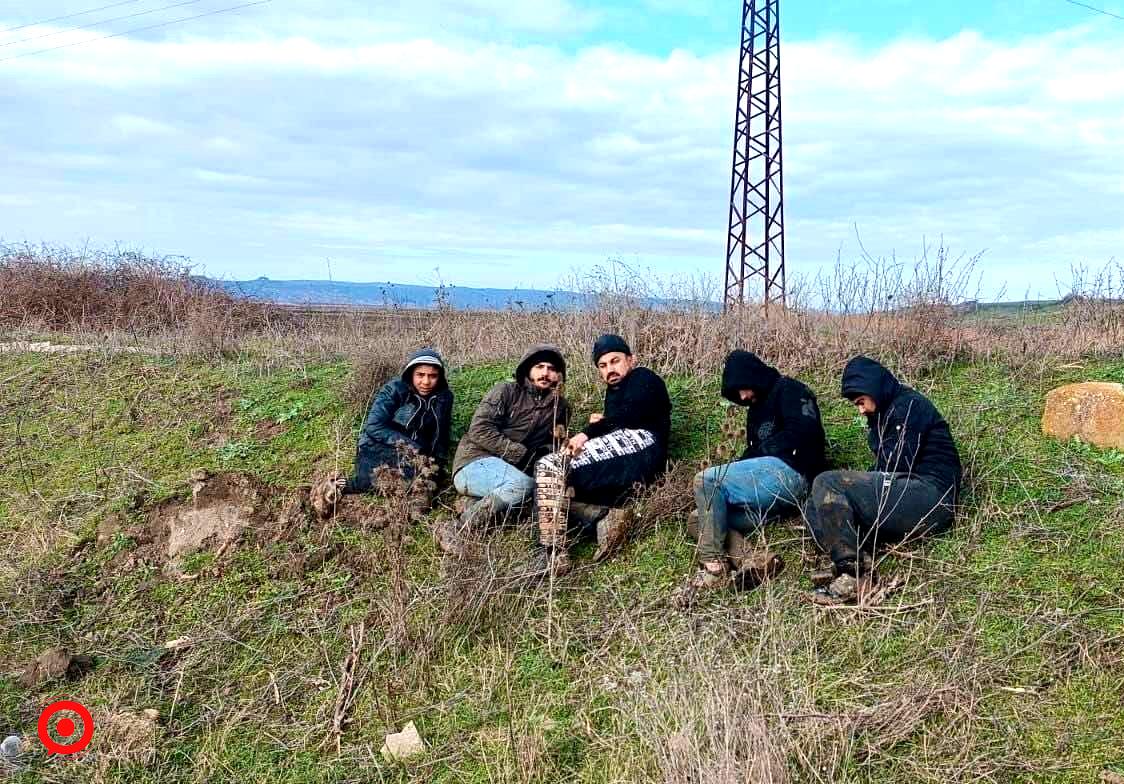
(614, 366)
(865, 404)
(544, 376)
(747, 395)
(425, 379)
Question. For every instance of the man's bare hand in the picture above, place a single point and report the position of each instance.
(595, 418)
(577, 444)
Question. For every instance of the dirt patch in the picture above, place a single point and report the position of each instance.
(53, 664)
(221, 509)
(267, 430)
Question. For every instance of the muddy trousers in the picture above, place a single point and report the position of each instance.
(604, 473)
(849, 511)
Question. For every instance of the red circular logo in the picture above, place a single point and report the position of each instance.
(65, 727)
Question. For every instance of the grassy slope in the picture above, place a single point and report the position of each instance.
(1002, 656)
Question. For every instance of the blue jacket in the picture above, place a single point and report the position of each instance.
(399, 415)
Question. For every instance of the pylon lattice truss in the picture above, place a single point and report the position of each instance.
(755, 243)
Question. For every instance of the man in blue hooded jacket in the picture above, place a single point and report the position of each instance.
(409, 421)
(911, 491)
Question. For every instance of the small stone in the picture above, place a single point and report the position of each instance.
(11, 748)
(200, 475)
(403, 745)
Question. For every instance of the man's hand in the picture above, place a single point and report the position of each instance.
(577, 444)
(595, 418)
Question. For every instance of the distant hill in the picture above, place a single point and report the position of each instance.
(326, 292)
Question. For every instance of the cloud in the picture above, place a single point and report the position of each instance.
(462, 150)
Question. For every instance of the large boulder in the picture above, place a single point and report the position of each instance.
(1092, 411)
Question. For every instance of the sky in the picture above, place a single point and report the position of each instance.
(491, 143)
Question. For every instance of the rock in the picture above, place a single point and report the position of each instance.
(55, 663)
(1092, 411)
(200, 475)
(11, 748)
(403, 745)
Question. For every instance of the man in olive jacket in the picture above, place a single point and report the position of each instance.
(515, 424)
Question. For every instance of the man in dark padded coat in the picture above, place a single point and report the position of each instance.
(409, 421)
(910, 492)
(622, 447)
(784, 452)
(515, 424)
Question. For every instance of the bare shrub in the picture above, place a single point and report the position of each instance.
(55, 288)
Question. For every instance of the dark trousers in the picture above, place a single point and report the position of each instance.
(849, 511)
(368, 458)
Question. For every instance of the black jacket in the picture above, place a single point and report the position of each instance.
(638, 402)
(784, 419)
(399, 415)
(906, 433)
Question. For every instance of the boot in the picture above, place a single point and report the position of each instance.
(612, 532)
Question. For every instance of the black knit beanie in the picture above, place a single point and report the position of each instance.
(607, 344)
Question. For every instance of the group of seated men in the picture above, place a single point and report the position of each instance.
(517, 455)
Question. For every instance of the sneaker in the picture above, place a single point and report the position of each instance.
(845, 589)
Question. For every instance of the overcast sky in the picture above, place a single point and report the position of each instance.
(507, 143)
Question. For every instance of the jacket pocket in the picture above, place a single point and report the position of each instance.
(404, 414)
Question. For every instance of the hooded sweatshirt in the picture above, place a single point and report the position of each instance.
(784, 419)
(515, 421)
(400, 415)
(906, 433)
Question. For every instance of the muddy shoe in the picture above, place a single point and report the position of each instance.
(612, 532)
(709, 578)
(325, 494)
(447, 537)
(844, 589)
(756, 568)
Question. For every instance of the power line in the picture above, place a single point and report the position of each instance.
(100, 22)
(134, 30)
(1098, 10)
(69, 16)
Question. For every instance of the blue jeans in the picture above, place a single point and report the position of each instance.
(501, 487)
(741, 496)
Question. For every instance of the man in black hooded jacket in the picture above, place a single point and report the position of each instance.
(410, 417)
(784, 452)
(911, 490)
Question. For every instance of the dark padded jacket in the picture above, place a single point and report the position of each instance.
(907, 434)
(783, 421)
(399, 415)
(515, 421)
(638, 402)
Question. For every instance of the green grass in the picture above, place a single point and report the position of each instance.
(1013, 619)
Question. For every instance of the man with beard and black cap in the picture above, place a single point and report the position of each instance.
(407, 428)
(515, 424)
(784, 452)
(910, 492)
(622, 447)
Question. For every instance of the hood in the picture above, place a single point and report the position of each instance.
(425, 356)
(744, 370)
(535, 355)
(864, 376)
